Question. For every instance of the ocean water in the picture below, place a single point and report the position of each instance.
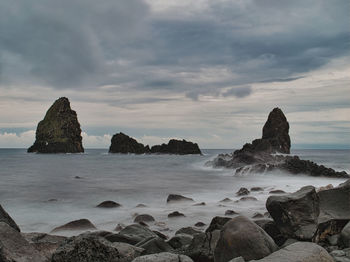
(41, 191)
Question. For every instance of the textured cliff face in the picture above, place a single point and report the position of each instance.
(59, 131)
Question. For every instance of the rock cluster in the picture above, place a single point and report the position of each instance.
(59, 131)
(124, 144)
(321, 220)
(269, 153)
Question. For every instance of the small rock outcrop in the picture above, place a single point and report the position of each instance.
(80, 224)
(178, 147)
(242, 237)
(59, 131)
(268, 153)
(124, 144)
(172, 198)
(108, 204)
(5, 217)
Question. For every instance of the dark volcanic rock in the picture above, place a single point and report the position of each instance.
(217, 223)
(271, 228)
(5, 217)
(124, 144)
(108, 204)
(179, 147)
(180, 240)
(59, 131)
(296, 214)
(81, 224)
(178, 198)
(242, 237)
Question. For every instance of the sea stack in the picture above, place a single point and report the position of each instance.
(59, 131)
(124, 144)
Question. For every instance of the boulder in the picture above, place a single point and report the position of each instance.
(154, 245)
(163, 257)
(175, 214)
(178, 198)
(188, 231)
(271, 228)
(345, 236)
(290, 216)
(80, 224)
(5, 217)
(257, 215)
(180, 241)
(132, 234)
(15, 248)
(178, 147)
(248, 198)
(124, 144)
(59, 131)
(108, 204)
(44, 243)
(217, 223)
(144, 218)
(255, 189)
(199, 224)
(242, 192)
(242, 237)
(299, 252)
(277, 191)
(202, 246)
(199, 204)
(91, 248)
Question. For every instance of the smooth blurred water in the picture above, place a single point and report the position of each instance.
(41, 191)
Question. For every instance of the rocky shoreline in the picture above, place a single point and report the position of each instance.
(308, 225)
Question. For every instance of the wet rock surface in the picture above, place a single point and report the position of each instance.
(178, 198)
(59, 131)
(6, 218)
(80, 224)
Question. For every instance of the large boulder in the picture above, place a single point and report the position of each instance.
(299, 252)
(271, 228)
(15, 248)
(121, 143)
(76, 225)
(180, 241)
(163, 257)
(334, 211)
(179, 147)
(5, 217)
(91, 248)
(242, 237)
(59, 131)
(217, 223)
(296, 214)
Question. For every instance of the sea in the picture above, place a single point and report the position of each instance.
(43, 191)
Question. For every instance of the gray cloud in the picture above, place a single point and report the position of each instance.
(238, 91)
(84, 44)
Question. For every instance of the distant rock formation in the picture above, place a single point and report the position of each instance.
(59, 131)
(179, 147)
(122, 143)
(265, 154)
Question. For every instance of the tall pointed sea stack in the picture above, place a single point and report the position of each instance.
(59, 131)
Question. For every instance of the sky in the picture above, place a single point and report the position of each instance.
(206, 71)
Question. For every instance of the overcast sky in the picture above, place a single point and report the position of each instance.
(207, 71)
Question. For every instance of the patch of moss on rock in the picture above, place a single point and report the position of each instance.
(59, 131)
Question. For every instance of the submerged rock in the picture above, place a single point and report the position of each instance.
(124, 144)
(80, 224)
(108, 204)
(242, 192)
(5, 217)
(144, 218)
(179, 147)
(242, 237)
(178, 198)
(59, 131)
(175, 214)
